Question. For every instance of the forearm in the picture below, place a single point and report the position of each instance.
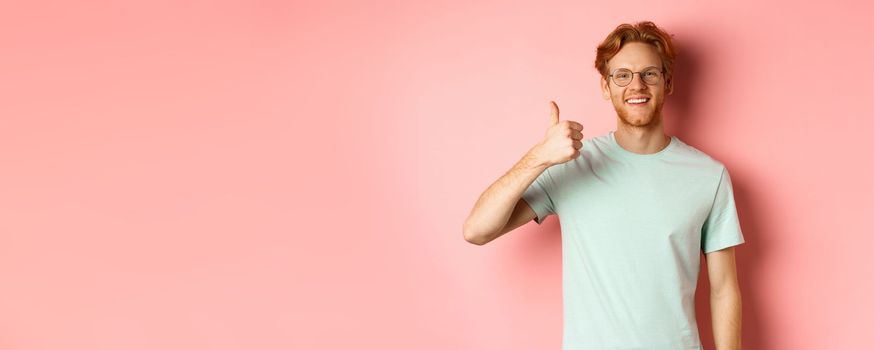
(725, 308)
(494, 207)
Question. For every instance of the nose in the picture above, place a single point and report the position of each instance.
(637, 82)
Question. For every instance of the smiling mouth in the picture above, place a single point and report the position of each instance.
(635, 102)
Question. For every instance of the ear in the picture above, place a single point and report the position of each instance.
(605, 89)
(669, 85)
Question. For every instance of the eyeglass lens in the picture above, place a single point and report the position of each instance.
(624, 76)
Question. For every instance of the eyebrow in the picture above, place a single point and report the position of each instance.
(644, 68)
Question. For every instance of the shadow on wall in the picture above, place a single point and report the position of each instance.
(680, 108)
(681, 113)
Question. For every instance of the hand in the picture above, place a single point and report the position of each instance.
(562, 142)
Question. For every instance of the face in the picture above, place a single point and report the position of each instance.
(636, 57)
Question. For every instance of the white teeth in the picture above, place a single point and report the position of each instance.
(637, 100)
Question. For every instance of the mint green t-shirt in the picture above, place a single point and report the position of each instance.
(633, 227)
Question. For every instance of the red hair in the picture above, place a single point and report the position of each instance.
(643, 32)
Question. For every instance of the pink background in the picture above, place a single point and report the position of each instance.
(285, 175)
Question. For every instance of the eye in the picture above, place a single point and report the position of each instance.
(622, 75)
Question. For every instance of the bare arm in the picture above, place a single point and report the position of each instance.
(725, 299)
(500, 208)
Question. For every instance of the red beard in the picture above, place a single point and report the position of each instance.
(645, 119)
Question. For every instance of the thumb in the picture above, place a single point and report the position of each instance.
(554, 113)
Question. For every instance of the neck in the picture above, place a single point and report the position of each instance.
(641, 140)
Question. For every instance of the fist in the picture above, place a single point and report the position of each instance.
(562, 142)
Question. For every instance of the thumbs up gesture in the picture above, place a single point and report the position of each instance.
(562, 142)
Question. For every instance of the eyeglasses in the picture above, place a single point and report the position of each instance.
(623, 77)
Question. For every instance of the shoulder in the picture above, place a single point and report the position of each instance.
(596, 147)
(602, 139)
(690, 154)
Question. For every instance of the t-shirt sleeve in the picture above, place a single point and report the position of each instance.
(539, 196)
(722, 228)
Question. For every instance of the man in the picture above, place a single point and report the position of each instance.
(637, 208)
